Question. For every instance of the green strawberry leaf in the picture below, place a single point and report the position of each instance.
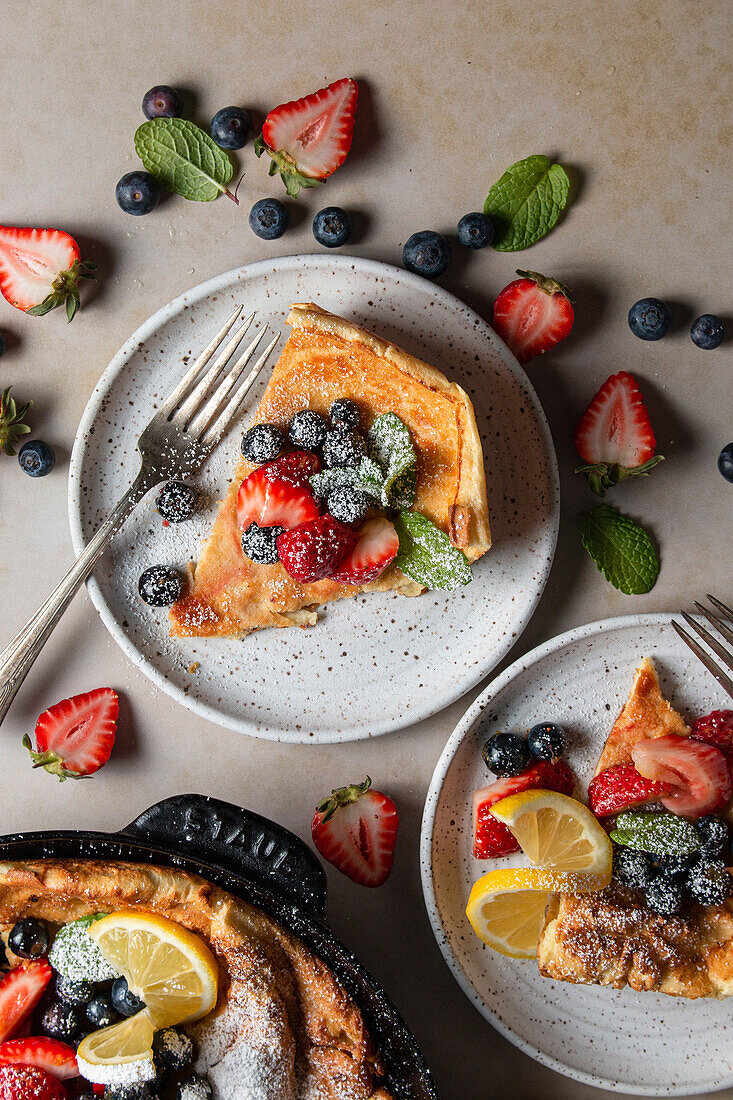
(283, 163)
(663, 834)
(604, 475)
(391, 447)
(621, 548)
(526, 202)
(427, 555)
(184, 158)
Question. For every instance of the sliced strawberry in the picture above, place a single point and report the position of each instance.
(20, 991)
(309, 138)
(19, 1082)
(297, 466)
(532, 314)
(376, 547)
(716, 729)
(491, 838)
(75, 737)
(698, 773)
(314, 550)
(621, 788)
(355, 828)
(40, 269)
(614, 435)
(56, 1058)
(275, 501)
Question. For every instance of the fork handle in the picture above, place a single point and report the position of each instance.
(17, 659)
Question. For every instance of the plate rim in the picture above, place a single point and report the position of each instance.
(194, 295)
(498, 685)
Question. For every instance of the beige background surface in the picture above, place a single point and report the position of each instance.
(634, 95)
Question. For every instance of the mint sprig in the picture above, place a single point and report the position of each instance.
(663, 834)
(526, 202)
(390, 446)
(621, 548)
(184, 158)
(427, 555)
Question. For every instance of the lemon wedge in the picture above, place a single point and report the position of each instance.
(121, 1053)
(506, 908)
(168, 967)
(559, 833)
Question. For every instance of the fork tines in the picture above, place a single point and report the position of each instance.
(717, 620)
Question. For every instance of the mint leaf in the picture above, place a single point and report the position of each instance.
(390, 445)
(621, 548)
(427, 555)
(367, 477)
(526, 202)
(184, 158)
(659, 833)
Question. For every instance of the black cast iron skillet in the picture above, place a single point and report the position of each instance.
(263, 864)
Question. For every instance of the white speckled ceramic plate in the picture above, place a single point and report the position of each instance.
(643, 1043)
(371, 664)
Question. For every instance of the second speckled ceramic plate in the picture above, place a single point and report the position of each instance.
(643, 1043)
(371, 664)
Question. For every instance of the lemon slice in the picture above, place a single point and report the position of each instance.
(168, 967)
(558, 832)
(119, 1054)
(506, 908)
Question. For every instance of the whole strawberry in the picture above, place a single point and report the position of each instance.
(314, 550)
(716, 729)
(532, 314)
(355, 828)
(19, 1082)
(40, 269)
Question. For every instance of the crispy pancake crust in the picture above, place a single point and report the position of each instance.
(275, 996)
(612, 937)
(327, 357)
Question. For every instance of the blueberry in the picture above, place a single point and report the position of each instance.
(124, 1000)
(725, 462)
(36, 458)
(675, 867)
(231, 127)
(145, 1091)
(60, 1021)
(28, 939)
(632, 868)
(506, 754)
(193, 1087)
(262, 443)
(100, 1011)
(162, 102)
(269, 218)
(426, 253)
(307, 430)
(160, 585)
(347, 504)
(259, 544)
(709, 882)
(714, 836)
(475, 230)
(707, 332)
(137, 193)
(546, 741)
(650, 319)
(343, 447)
(172, 1050)
(664, 895)
(176, 502)
(332, 226)
(73, 993)
(345, 412)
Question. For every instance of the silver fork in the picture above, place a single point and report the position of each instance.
(717, 621)
(181, 435)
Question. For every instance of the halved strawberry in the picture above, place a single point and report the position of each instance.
(614, 435)
(491, 838)
(309, 138)
(75, 737)
(698, 773)
(314, 550)
(270, 500)
(355, 828)
(622, 788)
(40, 269)
(376, 547)
(532, 314)
(19, 1082)
(297, 466)
(56, 1058)
(20, 991)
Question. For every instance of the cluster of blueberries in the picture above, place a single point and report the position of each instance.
(71, 1010)
(651, 319)
(509, 754)
(339, 444)
(666, 879)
